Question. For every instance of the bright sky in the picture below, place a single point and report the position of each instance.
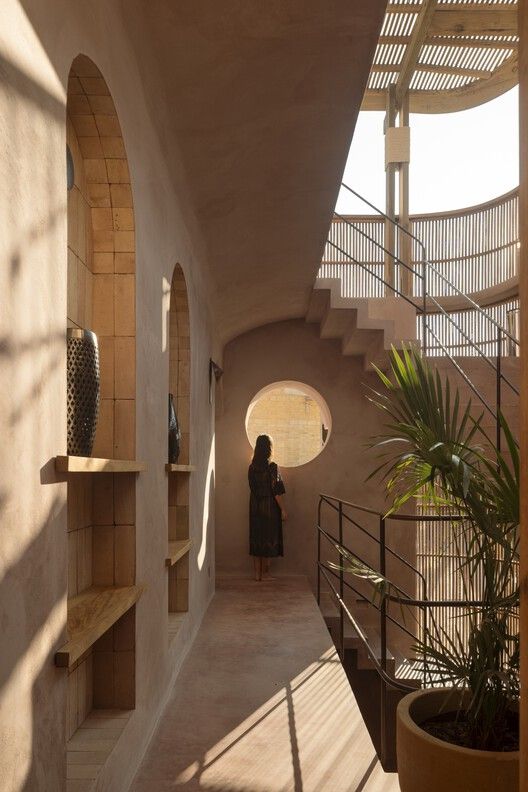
(457, 159)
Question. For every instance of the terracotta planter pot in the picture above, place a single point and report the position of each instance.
(427, 764)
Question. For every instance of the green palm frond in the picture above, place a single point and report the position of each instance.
(435, 451)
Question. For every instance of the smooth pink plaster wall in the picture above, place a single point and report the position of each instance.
(38, 41)
(292, 350)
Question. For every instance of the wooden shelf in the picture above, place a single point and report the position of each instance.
(77, 464)
(73, 464)
(177, 550)
(92, 613)
(90, 746)
(170, 468)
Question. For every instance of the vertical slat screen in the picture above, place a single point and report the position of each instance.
(473, 249)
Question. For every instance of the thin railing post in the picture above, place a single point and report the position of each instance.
(319, 552)
(383, 636)
(425, 633)
(341, 586)
(424, 304)
(499, 384)
(383, 605)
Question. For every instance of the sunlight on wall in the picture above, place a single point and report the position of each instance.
(165, 312)
(209, 479)
(17, 694)
(296, 418)
(25, 51)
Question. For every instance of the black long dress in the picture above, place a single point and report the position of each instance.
(265, 516)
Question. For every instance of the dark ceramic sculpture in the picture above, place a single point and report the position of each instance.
(174, 433)
(83, 390)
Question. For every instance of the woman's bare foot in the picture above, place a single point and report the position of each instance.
(266, 569)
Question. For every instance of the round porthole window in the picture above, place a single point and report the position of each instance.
(70, 169)
(295, 416)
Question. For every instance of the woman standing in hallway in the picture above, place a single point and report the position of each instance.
(266, 511)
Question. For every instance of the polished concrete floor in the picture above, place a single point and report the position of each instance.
(262, 704)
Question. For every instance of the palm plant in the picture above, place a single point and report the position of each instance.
(435, 451)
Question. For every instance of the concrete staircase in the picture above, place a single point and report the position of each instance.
(366, 326)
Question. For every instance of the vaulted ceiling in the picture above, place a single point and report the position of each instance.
(259, 101)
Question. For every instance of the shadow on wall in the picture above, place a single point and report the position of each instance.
(32, 545)
(43, 374)
(26, 90)
(31, 630)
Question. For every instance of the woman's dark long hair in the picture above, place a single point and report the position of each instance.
(263, 450)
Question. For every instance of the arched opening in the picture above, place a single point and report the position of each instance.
(179, 468)
(101, 505)
(296, 417)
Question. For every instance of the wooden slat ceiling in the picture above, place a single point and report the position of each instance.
(450, 54)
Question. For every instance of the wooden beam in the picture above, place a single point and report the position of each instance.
(477, 74)
(480, 20)
(449, 41)
(394, 8)
(470, 19)
(410, 58)
(453, 99)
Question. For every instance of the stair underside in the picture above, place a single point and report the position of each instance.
(366, 327)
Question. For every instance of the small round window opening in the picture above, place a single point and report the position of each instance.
(295, 416)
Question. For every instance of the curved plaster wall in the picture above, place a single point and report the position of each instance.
(39, 41)
(340, 469)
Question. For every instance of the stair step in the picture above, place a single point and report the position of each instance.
(319, 300)
(368, 327)
(353, 643)
(337, 322)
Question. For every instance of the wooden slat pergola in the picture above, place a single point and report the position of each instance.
(447, 55)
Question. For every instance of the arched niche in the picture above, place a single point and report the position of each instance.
(179, 474)
(101, 252)
(101, 506)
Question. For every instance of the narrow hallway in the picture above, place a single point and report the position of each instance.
(262, 703)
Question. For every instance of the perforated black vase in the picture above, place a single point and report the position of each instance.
(174, 433)
(83, 390)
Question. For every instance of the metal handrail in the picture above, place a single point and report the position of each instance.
(391, 681)
(422, 309)
(403, 517)
(446, 280)
(336, 542)
(393, 553)
(391, 253)
(374, 274)
(372, 604)
(423, 604)
(502, 333)
(387, 217)
(383, 550)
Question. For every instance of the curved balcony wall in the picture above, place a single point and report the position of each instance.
(473, 250)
